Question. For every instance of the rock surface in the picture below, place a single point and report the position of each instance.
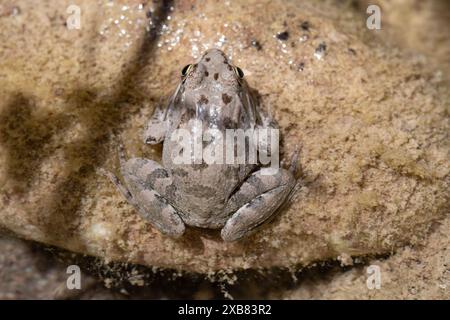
(421, 272)
(371, 121)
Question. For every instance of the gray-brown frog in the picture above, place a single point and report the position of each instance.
(235, 197)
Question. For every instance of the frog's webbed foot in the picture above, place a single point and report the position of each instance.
(156, 128)
(147, 184)
(257, 200)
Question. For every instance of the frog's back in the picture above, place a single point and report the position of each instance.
(202, 191)
(212, 95)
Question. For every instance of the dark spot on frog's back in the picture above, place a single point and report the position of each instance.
(207, 59)
(226, 98)
(188, 114)
(229, 123)
(203, 100)
(216, 76)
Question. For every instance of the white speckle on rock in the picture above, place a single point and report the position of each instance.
(100, 230)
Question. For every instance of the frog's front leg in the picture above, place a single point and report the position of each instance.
(255, 202)
(156, 128)
(148, 186)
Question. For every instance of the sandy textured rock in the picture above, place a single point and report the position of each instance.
(417, 26)
(420, 272)
(371, 120)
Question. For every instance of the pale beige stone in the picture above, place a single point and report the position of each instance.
(372, 123)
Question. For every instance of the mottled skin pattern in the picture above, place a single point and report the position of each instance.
(236, 198)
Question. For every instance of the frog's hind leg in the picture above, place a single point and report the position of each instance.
(257, 200)
(147, 183)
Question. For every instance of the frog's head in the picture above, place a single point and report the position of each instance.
(212, 71)
(213, 76)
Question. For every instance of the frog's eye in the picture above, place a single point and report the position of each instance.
(185, 71)
(239, 72)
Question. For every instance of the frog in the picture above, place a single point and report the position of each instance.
(236, 198)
